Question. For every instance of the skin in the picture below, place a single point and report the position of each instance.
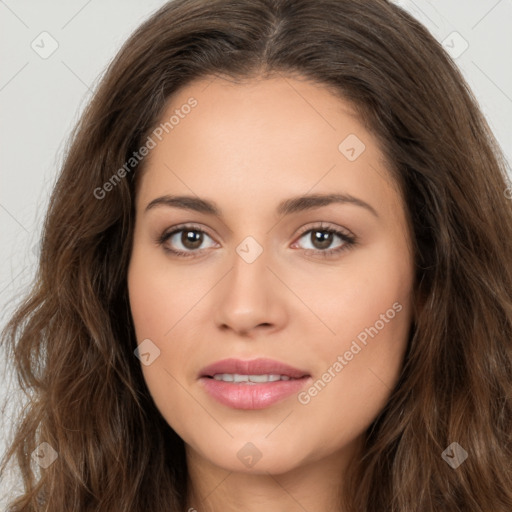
(247, 147)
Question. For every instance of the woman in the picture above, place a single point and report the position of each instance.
(275, 275)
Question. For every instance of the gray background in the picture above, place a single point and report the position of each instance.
(42, 96)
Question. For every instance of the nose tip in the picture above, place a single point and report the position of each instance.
(244, 331)
(249, 301)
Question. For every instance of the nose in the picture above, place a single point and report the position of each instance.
(250, 299)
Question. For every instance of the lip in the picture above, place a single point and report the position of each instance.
(254, 395)
(259, 366)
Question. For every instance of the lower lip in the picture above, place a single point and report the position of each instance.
(252, 396)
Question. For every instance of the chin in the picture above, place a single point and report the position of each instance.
(255, 456)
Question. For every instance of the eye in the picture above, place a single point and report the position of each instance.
(321, 239)
(184, 241)
(187, 240)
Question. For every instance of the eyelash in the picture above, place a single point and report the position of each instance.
(349, 240)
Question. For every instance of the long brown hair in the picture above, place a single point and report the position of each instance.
(72, 338)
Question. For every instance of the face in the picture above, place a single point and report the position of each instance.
(242, 278)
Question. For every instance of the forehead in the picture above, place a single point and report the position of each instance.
(271, 110)
(279, 137)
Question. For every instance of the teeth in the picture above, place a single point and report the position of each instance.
(260, 378)
(236, 377)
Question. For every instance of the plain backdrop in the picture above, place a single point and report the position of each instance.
(53, 54)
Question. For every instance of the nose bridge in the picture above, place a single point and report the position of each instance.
(249, 278)
(249, 298)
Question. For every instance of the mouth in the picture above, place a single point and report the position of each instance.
(238, 378)
(254, 384)
(251, 368)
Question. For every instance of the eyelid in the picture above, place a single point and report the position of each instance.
(192, 226)
(186, 225)
(321, 225)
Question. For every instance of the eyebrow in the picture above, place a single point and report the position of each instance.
(287, 207)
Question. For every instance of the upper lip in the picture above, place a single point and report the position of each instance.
(259, 366)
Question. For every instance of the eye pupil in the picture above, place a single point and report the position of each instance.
(323, 238)
(191, 239)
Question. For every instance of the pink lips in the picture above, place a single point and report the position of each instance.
(244, 395)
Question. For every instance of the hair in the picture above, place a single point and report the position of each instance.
(71, 338)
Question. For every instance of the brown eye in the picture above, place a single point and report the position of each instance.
(191, 239)
(321, 239)
(185, 241)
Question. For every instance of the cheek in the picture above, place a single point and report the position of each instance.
(355, 381)
(159, 301)
(160, 294)
(369, 307)
(356, 295)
